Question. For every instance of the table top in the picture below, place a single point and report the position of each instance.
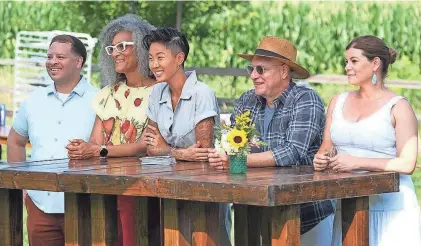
(195, 181)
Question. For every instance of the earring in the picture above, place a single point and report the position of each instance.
(374, 79)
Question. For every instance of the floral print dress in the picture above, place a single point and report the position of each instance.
(122, 110)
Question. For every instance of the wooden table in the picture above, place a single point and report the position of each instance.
(266, 200)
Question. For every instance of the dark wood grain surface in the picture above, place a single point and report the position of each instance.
(194, 181)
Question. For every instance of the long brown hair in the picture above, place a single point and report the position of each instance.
(372, 47)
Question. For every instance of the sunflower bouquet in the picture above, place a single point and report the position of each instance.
(236, 141)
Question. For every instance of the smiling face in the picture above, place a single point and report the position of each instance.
(62, 64)
(124, 61)
(273, 81)
(163, 62)
(358, 68)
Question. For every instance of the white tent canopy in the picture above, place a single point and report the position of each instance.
(30, 56)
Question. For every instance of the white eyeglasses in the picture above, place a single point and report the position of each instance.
(120, 47)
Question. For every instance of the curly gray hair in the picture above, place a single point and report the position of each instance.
(139, 28)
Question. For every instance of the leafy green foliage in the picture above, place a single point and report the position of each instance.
(218, 30)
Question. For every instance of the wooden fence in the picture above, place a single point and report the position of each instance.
(319, 78)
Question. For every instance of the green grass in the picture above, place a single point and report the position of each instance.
(416, 178)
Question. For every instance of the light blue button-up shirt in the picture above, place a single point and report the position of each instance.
(197, 102)
(50, 123)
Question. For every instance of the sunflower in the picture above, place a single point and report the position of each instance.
(237, 138)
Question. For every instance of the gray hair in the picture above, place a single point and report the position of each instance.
(127, 23)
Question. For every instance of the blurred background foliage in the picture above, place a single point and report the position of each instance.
(217, 30)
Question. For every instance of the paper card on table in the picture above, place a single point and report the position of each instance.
(158, 160)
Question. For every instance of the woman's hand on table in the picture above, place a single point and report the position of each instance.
(195, 153)
(343, 163)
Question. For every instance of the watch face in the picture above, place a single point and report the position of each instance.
(103, 152)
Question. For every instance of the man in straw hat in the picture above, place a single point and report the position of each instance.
(290, 119)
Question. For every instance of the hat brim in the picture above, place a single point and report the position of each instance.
(298, 71)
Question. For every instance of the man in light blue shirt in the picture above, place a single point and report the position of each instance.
(49, 118)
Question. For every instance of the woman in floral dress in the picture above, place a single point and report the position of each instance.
(120, 106)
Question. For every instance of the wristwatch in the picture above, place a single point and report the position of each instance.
(104, 151)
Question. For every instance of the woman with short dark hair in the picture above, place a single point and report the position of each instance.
(182, 111)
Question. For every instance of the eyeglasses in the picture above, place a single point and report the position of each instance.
(120, 47)
(259, 69)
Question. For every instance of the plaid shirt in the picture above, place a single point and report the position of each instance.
(294, 135)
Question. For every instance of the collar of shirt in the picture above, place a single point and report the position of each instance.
(281, 99)
(187, 91)
(79, 89)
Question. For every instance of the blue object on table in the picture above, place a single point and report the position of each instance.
(2, 114)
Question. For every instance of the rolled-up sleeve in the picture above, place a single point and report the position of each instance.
(99, 101)
(306, 123)
(206, 106)
(20, 123)
(152, 111)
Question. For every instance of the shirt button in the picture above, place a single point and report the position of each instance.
(55, 139)
(59, 122)
(52, 157)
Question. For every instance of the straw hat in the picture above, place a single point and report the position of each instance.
(280, 49)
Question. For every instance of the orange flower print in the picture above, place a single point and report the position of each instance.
(125, 126)
(115, 88)
(131, 133)
(137, 102)
(107, 126)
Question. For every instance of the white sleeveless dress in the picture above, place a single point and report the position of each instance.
(394, 217)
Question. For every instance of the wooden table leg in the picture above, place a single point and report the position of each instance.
(147, 215)
(104, 220)
(77, 219)
(208, 224)
(11, 217)
(247, 225)
(194, 223)
(176, 227)
(280, 225)
(355, 227)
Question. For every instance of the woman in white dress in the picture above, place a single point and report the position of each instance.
(373, 129)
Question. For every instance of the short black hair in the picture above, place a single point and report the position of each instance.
(77, 46)
(173, 39)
